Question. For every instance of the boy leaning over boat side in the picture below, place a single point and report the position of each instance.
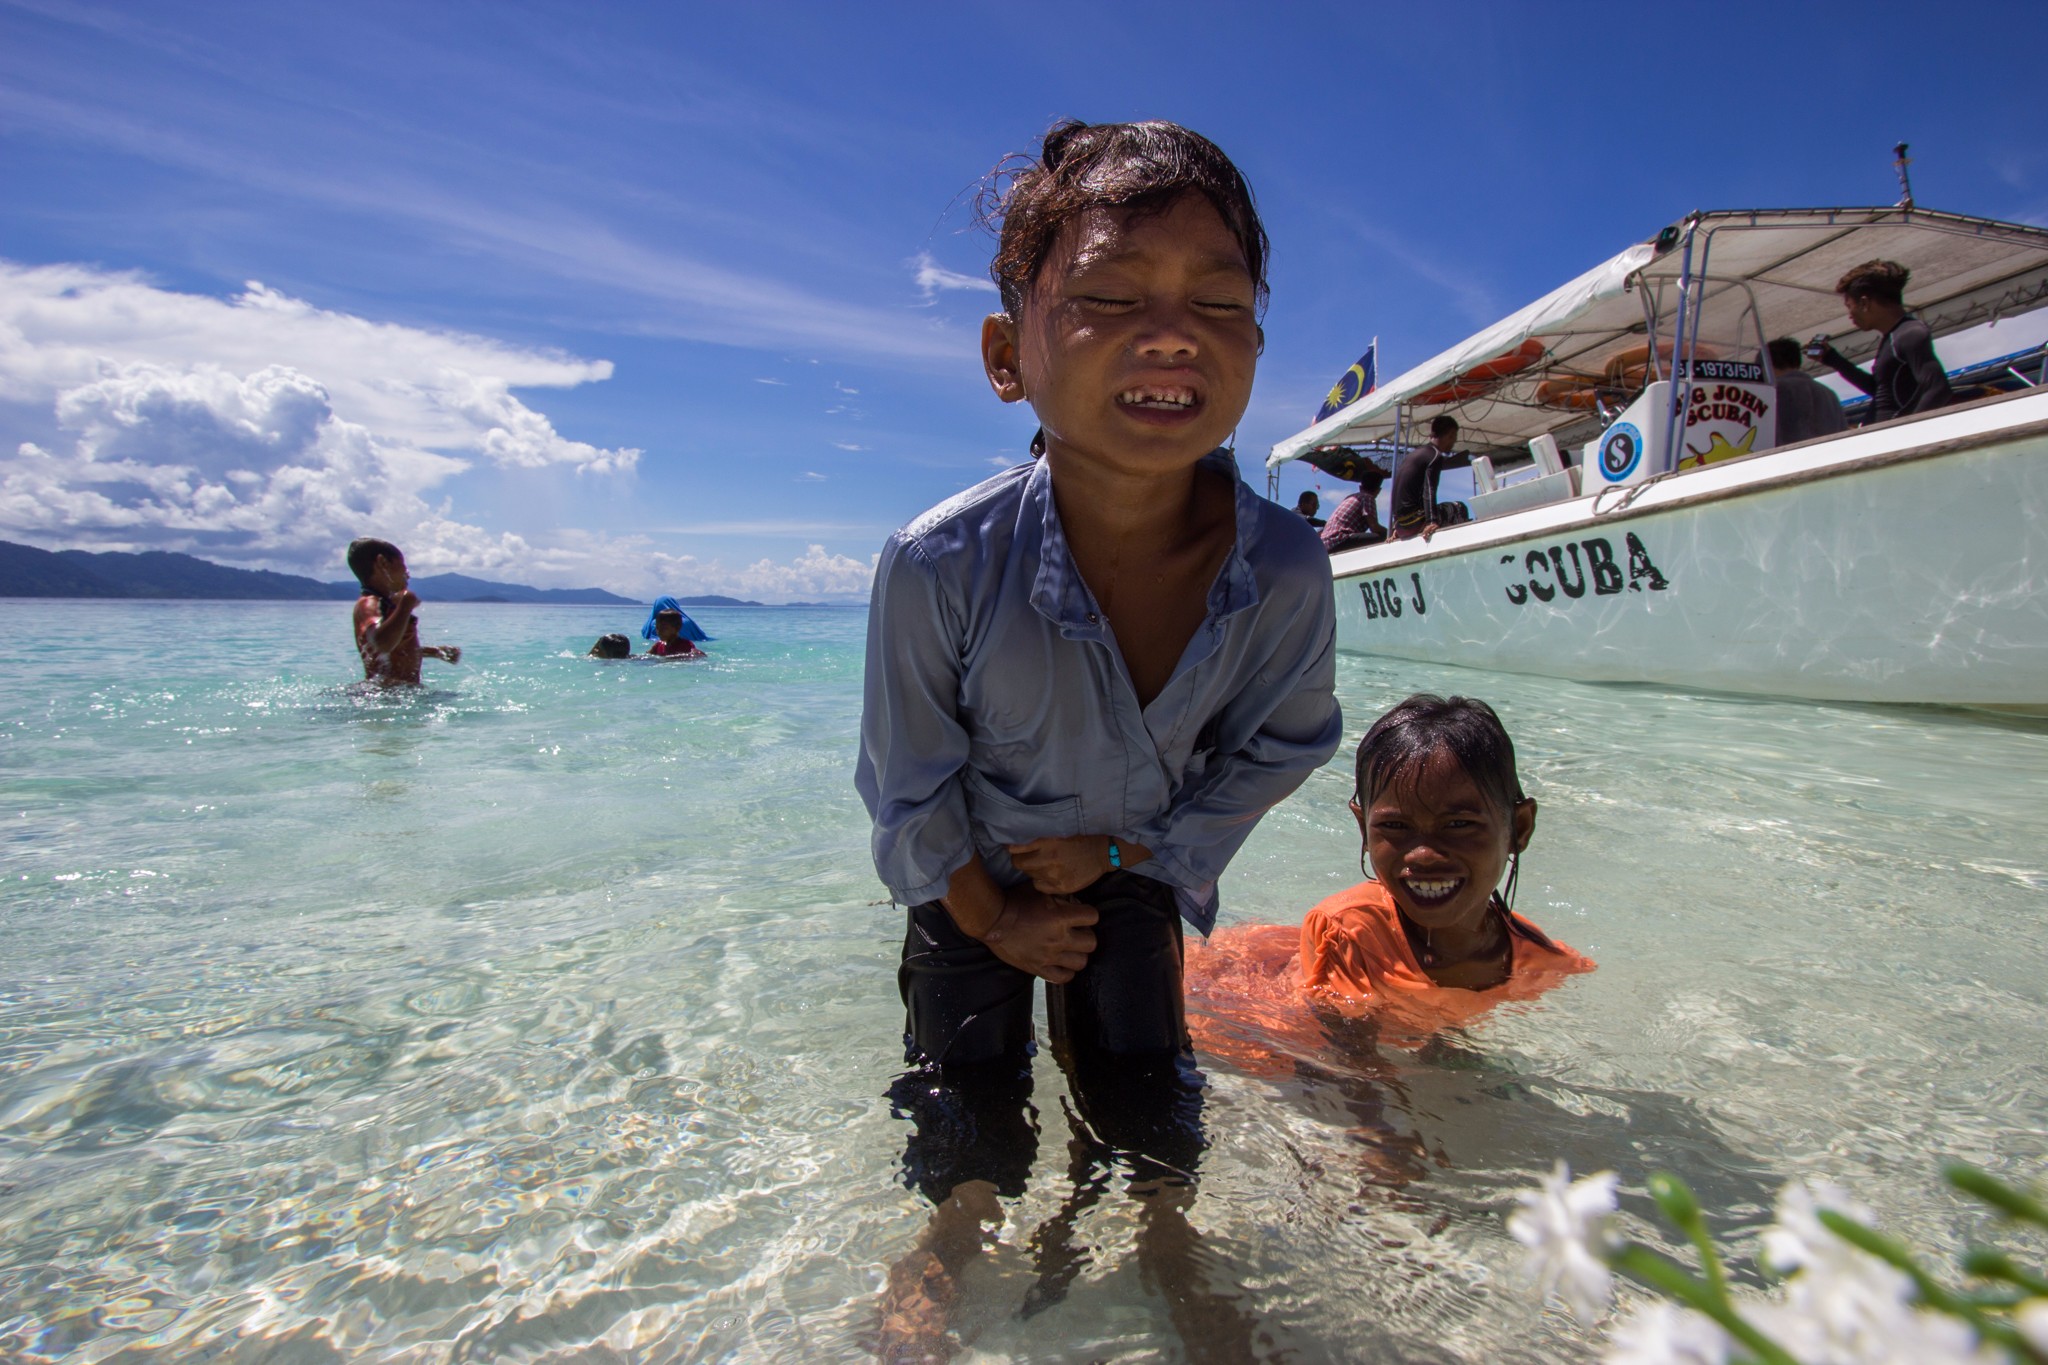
(1090, 676)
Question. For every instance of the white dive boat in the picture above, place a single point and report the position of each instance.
(1901, 562)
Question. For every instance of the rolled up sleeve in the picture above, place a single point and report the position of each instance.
(912, 744)
(1271, 736)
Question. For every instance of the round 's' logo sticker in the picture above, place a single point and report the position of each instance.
(1620, 449)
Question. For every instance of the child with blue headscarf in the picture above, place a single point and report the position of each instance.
(672, 631)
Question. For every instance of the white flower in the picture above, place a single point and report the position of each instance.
(1842, 1305)
(2032, 1320)
(1567, 1226)
(1798, 1240)
(1663, 1334)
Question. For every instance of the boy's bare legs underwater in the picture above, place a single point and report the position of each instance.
(1130, 316)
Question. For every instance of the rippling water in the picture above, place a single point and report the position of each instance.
(547, 1014)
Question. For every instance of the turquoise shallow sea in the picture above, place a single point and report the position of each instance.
(547, 1014)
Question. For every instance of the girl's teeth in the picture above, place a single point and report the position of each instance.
(1433, 890)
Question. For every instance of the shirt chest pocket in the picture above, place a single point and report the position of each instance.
(1000, 818)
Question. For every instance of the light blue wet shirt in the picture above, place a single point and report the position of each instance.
(998, 709)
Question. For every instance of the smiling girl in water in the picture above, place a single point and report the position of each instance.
(1429, 940)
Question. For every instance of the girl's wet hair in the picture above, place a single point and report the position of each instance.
(1401, 742)
(1139, 167)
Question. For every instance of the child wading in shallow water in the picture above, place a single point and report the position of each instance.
(387, 633)
(1087, 679)
(672, 631)
(1430, 939)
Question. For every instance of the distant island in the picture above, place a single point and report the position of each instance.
(26, 571)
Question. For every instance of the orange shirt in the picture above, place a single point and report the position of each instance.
(1250, 988)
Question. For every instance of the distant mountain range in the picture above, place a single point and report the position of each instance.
(26, 571)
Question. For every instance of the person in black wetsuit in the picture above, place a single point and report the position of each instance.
(1416, 511)
(1905, 375)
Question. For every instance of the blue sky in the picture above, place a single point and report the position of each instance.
(682, 296)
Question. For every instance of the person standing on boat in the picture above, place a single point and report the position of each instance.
(1806, 407)
(1905, 376)
(1416, 510)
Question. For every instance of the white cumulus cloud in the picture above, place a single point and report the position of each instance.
(259, 428)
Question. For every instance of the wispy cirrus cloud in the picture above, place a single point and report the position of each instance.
(686, 295)
(933, 278)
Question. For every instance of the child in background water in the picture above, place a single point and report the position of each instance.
(1429, 939)
(387, 631)
(672, 631)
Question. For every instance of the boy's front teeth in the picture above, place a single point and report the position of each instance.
(1157, 398)
(1433, 890)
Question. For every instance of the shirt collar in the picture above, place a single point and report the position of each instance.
(1058, 592)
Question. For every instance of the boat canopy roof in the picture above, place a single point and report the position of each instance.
(1539, 369)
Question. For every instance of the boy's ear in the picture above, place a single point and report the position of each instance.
(1525, 823)
(1000, 359)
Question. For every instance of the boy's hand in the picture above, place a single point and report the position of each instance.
(451, 654)
(1048, 936)
(405, 603)
(1060, 867)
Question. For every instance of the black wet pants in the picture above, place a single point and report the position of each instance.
(1117, 1028)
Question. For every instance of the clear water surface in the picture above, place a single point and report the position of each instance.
(546, 1015)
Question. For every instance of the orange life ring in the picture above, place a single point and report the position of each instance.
(1569, 391)
(1483, 376)
(1630, 369)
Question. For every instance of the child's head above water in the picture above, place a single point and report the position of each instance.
(613, 646)
(1132, 267)
(363, 555)
(1440, 807)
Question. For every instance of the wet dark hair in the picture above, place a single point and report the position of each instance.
(1884, 281)
(363, 555)
(1140, 167)
(613, 646)
(1443, 424)
(1401, 742)
(1785, 354)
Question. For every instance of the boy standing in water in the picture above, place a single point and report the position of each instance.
(387, 633)
(1090, 676)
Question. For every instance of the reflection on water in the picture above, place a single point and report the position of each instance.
(549, 1014)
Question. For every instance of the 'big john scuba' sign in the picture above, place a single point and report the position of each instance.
(1731, 410)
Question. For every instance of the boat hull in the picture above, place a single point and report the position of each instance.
(1898, 564)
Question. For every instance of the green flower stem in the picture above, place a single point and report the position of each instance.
(1675, 1197)
(1989, 1263)
(1663, 1273)
(1932, 1292)
(2012, 1203)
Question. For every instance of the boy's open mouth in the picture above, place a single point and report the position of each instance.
(1432, 890)
(1158, 398)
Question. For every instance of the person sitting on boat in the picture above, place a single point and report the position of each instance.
(1905, 376)
(672, 631)
(1416, 510)
(1356, 521)
(1429, 940)
(1806, 407)
(387, 630)
(1308, 504)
